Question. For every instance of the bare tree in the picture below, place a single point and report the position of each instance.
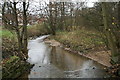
(25, 7)
(114, 51)
(11, 18)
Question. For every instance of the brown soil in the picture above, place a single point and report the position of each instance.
(52, 42)
(102, 57)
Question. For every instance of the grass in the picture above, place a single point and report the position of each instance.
(9, 43)
(81, 40)
(33, 30)
(6, 33)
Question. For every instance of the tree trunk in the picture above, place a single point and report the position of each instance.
(119, 13)
(114, 56)
(71, 17)
(51, 19)
(25, 28)
(17, 30)
(119, 25)
(62, 15)
(19, 40)
(3, 10)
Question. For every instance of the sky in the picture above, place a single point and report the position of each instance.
(35, 3)
(89, 4)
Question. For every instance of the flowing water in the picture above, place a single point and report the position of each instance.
(54, 62)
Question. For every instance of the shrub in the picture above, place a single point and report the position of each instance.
(37, 30)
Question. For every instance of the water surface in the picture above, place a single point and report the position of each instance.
(54, 62)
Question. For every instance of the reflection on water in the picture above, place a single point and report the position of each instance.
(54, 62)
(75, 65)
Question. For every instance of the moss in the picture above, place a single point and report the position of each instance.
(12, 59)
